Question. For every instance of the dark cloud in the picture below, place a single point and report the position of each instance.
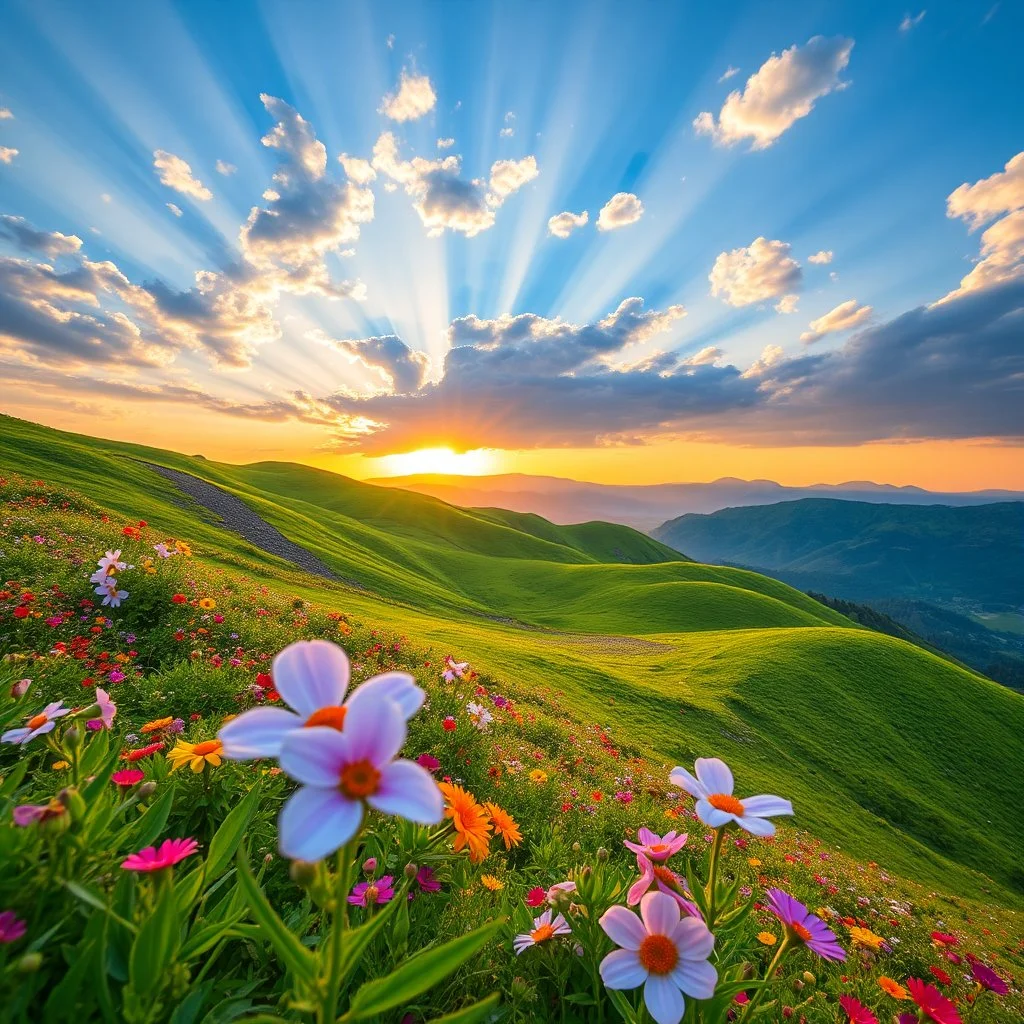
(31, 240)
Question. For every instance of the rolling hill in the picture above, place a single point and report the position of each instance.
(610, 628)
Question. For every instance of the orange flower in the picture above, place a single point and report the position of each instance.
(892, 988)
(504, 825)
(157, 724)
(470, 821)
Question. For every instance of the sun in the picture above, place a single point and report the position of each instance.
(438, 460)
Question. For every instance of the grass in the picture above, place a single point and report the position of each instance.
(891, 753)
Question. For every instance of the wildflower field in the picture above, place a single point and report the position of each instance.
(233, 791)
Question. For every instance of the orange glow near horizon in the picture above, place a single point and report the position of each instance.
(438, 460)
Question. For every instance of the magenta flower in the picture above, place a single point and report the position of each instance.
(804, 925)
(856, 1011)
(426, 881)
(372, 893)
(312, 677)
(716, 806)
(662, 878)
(127, 777)
(169, 853)
(11, 927)
(429, 762)
(657, 848)
(37, 725)
(29, 814)
(987, 978)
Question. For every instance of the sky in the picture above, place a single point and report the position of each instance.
(624, 244)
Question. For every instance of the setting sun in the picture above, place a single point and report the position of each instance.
(437, 460)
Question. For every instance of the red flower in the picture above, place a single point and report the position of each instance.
(264, 680)
(857, 1011)
(179, 599)
(536, 896)
(942, 939)
(939, 973)
(932, 1002)
(21, 612)
(140, 752)
(449, 724)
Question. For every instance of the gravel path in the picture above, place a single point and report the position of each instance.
(236, 516)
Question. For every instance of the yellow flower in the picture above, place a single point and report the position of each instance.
(866, 938)
(344, 628)
(183, 549)
(470, 820)
(504, 825)
(766, 938)
(537, 776)
(492, 883)
(892, 988)
(59, 766)
(157, 724)
(754, 862)
(196, 755)
(207, 604)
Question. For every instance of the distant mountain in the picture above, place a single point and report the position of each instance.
(968, 557)
(646, 506)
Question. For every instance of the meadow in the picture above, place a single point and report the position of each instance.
(565, 673)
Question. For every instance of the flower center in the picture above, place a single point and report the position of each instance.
(36, 721)
(800, 932)
(543, 933)
(658, 954)
(332, 716)
(667, 877)
(727, 803)
(371, 894)
(659, 848)
(359, 779)
(207, 747)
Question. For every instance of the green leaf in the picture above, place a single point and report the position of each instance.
(188, 1009)
(13, 779)
(274, 930)
(226, 839)
(470, 1014)
(102, 778)
(147, 829)
(187, 890)
(79, 891)
(201, 939)
(418, 973)
(359, 938)
(64, 997)
(155, 945)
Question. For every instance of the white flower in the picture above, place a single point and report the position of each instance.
(161, 550)
(543, 930)
(111, 595)
(109, 564)
(453, 669)
(37, 725)
(716, 806)
(662, 951)
(479, 715)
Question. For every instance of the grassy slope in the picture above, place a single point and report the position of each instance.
(894, 754)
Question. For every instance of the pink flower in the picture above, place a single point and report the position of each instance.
(108, 709)
(662, 878)
(657, 848)
(169, 853)
(856, 1011)
(127, 777)
(11, 927)
(37, 725)
(429, 762)
(426, 881)
(805, 926)
(932, 1002)
(536, 897)
(716, 806)
(987, 978)
(28, 814)
(372, 893)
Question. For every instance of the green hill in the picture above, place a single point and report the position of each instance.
(892, 753)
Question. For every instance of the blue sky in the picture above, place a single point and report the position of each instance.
(603, 97)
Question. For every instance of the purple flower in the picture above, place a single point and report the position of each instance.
(369, 894)
(987, 978)
(178, 725)
(11, 927)
(804, 925)
(429, 762)
(28, 814)
(426, 881)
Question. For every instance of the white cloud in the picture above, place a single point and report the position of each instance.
(508, 176)
(390, 41)
(705, 357)
(771, 356)
(7, 154)
(413, 98)
(223, 167)
(999, 193)
(622, 209)
(779, 93)
(728, 73)
(106, 197)
(401, 370)
(175, 209)
(563, 224)
(507, 133)
(5, 114)
(760, 271)
(177, 174)
(821, 257)
(844, 317)
(909, 22)
(357, 169)
(445, 143)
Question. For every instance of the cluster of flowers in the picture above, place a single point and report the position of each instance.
(475, 824)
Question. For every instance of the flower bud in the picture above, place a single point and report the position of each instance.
(798, 985)
(146, 790)
(73, 801)
(576, 847)
(411, 871)
(586, 872)
(602, 854)
(73, 736)
(369, 865)
(20, 688)
(302, 872)
(809, 978)
(30, 963)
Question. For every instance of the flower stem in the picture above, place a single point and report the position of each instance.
(339, 924)
(768, 975)
(712, 886)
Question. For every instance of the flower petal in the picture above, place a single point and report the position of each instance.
(315, 822)
(622, 969)
(684, 780)
(756, 826)
(714, 774)
(712, 815)
(660, 913)
(400, 687)
(693, 939)
(697, 978)
(623, 927)
(374, 727)
(14, 735)
(765, 806)
(664, 1000)
(311, 674)
(315, 756)
(408, 790)
(257, 733)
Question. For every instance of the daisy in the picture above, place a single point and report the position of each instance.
(544, 929)
(803, 925)
(932, 1002)
(37, 725)
(504, 825)
(856, 1011)
(655, 847)
(479, 715)
(109, 564)
(892, 988)
(987, 978)
(169, 853)
(111, 595)
(341, 773)
(716, 806)
(662, 878)
(311, 677)
(453, 669)
(666, 954)
(195, 755)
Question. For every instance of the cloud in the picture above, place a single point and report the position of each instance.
(787, 304)
(779, 93)
(177, 174)
(821, 257)
(223, 167)
(728, 73)
(413, 98)
(445, 143)
(175, 209)
(844, 317)
(563, 224)
(760, 271)
(622, 209)
(7, 154)
(999, 193)
(707, 355)
(357, 169)
(5, 114)
(508, 176)
(30, 239)
(401, 369)
(909, 22)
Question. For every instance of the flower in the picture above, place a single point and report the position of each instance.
(169, 853)
(767, 938)
(111, 595)
(109, 565)
(157, 724)
(107, 708)
(59, 766)
(426, 881)
(196, 755)
(369, 894)
(127, 777)
(429, 762)
(312, 678)
(892, 988)
(449, 724)
(492, 883)
(803, 925)
(343, 772)
(932, 1002)
(469, 819)
(179, 599)
(536, 897)
(940, 975)
(666, 954)
(140, 752)
(943, 939)
(538, 776)
(664, 879)
(479, 715)
(504, 825)
(11, 927)
(207, 604)
(987, 978)
(544, 929)
(856, 1011)
(27, 814)
(716, 806)
(37, 725)
(655, 847)
(866, 938)
(453, 669)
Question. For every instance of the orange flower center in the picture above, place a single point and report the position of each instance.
(36, 721)
(666, 877)
(359, 779)
(207, 747)
(543, 933)
(801, 932)
(371, 894)
(727, 803)
(658, 954)
(332, 716)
